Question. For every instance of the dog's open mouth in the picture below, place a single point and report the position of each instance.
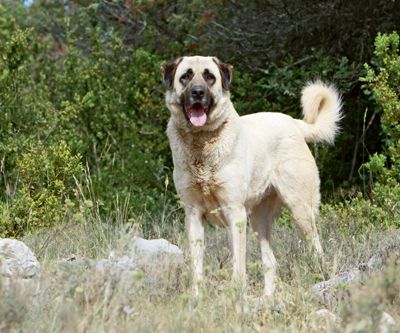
(197, 114)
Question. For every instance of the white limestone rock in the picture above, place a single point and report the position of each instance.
(155, 251)
(387, 323)
(17, 260)
(140, 261)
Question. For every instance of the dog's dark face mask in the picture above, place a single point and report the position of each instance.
(197, 83)
(197, 100)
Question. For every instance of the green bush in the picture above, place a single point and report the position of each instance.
(93, 100)
(382, 80)
(117, 119)
(46, 186)
(35, 168)
(382, 83)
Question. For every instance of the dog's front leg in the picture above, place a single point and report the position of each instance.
(237, 219)
(195, 230)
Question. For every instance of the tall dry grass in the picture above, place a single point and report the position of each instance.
(71, 296)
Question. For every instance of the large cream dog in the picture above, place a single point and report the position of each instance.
(229, 168)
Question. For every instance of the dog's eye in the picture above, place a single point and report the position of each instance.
(185, 78)
(209, 77)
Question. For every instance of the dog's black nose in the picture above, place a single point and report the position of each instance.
(197, 92)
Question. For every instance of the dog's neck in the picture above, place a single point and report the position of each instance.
(210, 147)
(198, 140)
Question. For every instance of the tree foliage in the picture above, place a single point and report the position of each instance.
(382, 81)
(81, 98)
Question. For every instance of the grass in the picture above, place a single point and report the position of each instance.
(71, 297)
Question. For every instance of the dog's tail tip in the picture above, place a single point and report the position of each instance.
(322, 111)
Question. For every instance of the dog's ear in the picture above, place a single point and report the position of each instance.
(168, 73)
(226, 73)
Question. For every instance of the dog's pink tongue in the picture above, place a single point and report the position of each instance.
(198, 117)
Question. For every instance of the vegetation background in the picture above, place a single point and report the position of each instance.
(82, 117)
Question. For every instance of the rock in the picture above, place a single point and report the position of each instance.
(323, 289)
(120, 269)
(155, 251)
(18, 268)
(140, 255)
(160, 262)
(324, 314)
(343, 278)
(142, 261)
(26, 287)
(17, 260)
(386, 323)
(117, 273)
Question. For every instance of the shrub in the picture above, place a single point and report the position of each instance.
(117, 119)
(95, 101)
(382, 80)
(46, 187)
(37, 167)
(382, 83)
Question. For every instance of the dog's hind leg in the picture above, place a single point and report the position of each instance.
(262, 218)
(304, 217)
(299, 190)
(304, 212)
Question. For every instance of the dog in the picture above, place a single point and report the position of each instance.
(230, 168)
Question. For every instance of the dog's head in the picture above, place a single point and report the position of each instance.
(197, 87)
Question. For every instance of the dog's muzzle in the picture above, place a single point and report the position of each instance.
(197, 103)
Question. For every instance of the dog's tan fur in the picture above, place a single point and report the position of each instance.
(237, 167)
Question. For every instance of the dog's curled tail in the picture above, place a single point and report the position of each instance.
(322, 106)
